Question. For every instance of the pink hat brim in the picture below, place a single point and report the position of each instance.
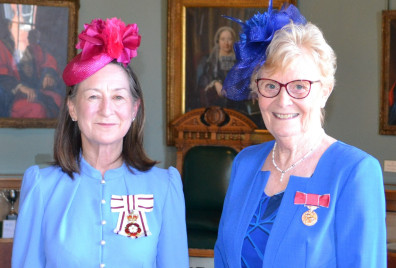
(78, 70)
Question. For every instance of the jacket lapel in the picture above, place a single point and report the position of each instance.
(250, 183)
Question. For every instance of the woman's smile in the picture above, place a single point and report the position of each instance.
(285, 116)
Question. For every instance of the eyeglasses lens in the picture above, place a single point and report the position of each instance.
(297, 89)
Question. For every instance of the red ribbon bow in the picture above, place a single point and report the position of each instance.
(312, 199)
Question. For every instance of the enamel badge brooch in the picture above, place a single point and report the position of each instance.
(132, 210)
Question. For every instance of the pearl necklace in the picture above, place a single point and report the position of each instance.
(295, 164)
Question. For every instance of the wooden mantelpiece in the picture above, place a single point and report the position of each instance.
(390, 195)
(10, 181)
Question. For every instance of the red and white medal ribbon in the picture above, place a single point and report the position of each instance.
(132, 221)
(312, 199)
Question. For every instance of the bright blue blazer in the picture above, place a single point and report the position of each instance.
(351, 232)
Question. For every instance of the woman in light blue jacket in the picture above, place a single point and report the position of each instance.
(102, 203)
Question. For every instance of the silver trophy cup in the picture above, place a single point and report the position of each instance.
(11, 196)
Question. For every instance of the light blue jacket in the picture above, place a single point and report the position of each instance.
(69, 223)
(351, 232)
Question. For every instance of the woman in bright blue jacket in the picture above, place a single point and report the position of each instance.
(304, 199)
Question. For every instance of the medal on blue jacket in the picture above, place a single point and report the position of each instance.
(133, 228)
(132, 209)
(310, 217)
(312, 202)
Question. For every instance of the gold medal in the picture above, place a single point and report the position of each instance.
(310, 217)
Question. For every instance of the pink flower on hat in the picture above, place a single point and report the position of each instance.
(102, 42)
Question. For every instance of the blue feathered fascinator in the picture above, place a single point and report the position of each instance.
(255, 36)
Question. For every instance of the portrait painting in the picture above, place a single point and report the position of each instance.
(201, 38)
(388, 87)
(210, 37)
(34, 49)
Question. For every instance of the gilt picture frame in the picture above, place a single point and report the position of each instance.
(38, 39)
(193, 27)
(388, 81)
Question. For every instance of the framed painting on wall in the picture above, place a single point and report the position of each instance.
(198, 33)
(37, 39)
(388, 81)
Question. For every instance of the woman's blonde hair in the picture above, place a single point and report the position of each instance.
(294, 40)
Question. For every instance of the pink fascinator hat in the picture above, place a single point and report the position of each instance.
(102, 42)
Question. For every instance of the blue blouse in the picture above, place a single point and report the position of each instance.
(259, 229)
(71, 223)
